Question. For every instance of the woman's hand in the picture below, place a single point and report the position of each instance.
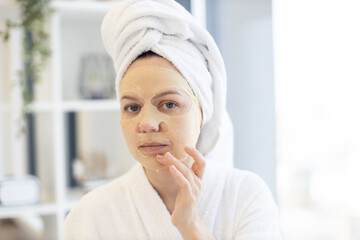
(185, 216)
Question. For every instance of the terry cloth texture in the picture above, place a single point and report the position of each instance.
(233, 204)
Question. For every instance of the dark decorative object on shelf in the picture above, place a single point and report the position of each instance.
(97, 77)
(72, 147)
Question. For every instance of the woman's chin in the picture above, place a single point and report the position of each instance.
(150, 162)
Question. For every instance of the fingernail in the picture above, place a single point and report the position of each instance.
(168, 155)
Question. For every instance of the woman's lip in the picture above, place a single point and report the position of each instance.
(154, 148)
(151, 144)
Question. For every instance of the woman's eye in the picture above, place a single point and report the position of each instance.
(169, 105)
(132, 108)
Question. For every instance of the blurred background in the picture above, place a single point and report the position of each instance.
(293, 95)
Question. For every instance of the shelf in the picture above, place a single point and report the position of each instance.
(91, 105)
(84, 6)
(82, 10)
(72, 197)
(38, 209)
(74, 106)
(41, 107)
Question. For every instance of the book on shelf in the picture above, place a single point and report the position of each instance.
(17, 191)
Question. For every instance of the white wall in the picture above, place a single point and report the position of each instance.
(317, 69)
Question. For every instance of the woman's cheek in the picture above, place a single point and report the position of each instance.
(182, 131)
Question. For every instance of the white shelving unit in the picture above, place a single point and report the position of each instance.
(75, 31)
(41, 209)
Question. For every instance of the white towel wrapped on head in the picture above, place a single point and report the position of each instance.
(164, 27)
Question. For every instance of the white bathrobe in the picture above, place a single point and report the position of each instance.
(233, 204)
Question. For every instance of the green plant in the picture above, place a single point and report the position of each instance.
(36, 49)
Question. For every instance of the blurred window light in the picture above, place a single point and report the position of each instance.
(317, 78)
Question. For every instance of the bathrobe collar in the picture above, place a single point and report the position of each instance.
(152, 210)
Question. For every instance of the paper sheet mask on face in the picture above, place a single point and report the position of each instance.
(159, 113)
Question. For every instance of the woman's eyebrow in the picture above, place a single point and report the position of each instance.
(129, 98)
(167, 93)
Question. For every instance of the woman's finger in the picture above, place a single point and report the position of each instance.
(168, 161)
(181, 180)
(199, 162)
(180, 166)
(197, 181)
(163, 160)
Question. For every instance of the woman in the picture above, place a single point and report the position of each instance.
(171, 84)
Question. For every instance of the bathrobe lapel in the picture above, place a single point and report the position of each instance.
(213, 184)
(151, 210)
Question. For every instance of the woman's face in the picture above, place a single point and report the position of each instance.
(159, 113)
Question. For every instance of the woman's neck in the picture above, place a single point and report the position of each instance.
(165, 185)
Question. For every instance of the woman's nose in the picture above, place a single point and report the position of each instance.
(148, 122)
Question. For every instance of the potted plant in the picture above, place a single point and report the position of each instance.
(36, 47)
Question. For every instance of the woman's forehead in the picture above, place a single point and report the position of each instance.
(153, 60)
(151, 79)
(154, 98)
